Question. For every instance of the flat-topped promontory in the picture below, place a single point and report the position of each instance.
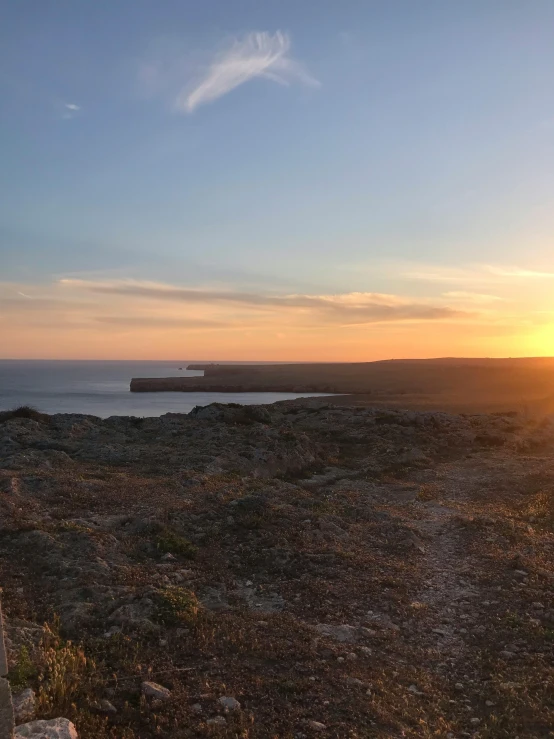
(481, 385)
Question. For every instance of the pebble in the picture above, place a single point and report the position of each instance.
(104, 706)
(354, 681)
(153, 690)
(229, 703)
(475, 721)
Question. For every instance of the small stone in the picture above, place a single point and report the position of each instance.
(153, 690)
(351, 656)
(354, 681)
(104, 706)
(316, 725)
(489, 703)
(56, 728)
(249, 583)
(168, 557)
(475, 721)
(24, 706)
(459, 686)
(506, 654)
(196, 708)
(107, 707)
(366, 650)
(229, 703)
(216, 721)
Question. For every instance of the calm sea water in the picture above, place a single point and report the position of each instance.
(102, 388)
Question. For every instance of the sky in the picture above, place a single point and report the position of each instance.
(276, 180)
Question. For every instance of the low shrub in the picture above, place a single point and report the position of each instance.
(24, 411)
(169, 542)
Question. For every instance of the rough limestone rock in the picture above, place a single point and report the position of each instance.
(343, 633)
(229, 703)
(56, 728)
(24, 706)
(153, 690)
(6, 709)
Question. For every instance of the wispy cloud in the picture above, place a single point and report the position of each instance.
(517, 272)
(470, 297)
(343, 309)
(160, 322)
(476, 274)
(257, 54)
(70, 110)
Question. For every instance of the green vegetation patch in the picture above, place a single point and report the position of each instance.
(176, 605)
(22, 672)
(169, 542)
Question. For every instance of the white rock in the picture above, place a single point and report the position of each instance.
(56, 728)
(153, 690)
(24, 706)
(229, 703)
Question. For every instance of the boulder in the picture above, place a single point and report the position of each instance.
(56, 728)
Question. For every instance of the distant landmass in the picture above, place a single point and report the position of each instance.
(449, 383)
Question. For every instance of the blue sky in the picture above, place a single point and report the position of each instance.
(280, 148)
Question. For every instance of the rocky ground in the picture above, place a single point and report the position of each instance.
(283, 571)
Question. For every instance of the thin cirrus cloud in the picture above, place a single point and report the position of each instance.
(342, 309)
(160, 322)
(70, 110)
(471, 297)
(476, 274)
(256, 55)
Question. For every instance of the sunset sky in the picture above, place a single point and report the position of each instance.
(276, 179)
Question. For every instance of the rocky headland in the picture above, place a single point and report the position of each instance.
(286, 571)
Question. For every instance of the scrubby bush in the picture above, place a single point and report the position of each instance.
(24, 411)
(169, 542)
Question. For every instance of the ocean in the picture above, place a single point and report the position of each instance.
(101, 388)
